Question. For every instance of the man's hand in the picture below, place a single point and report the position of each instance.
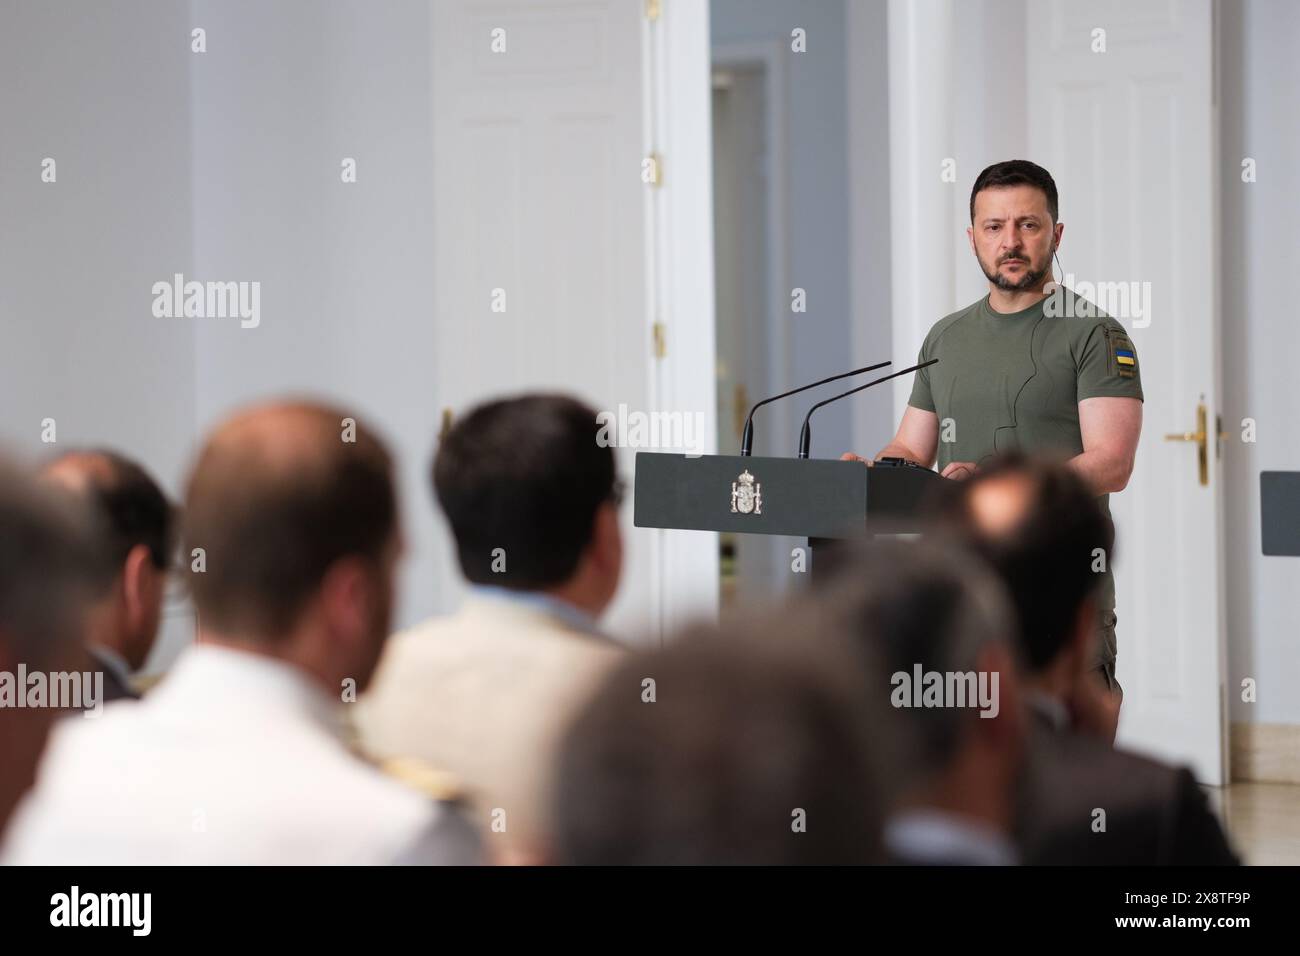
(849, 456)
(917, 438)
(959, 470)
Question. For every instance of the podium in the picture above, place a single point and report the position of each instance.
(819, 499)
(1279, 512)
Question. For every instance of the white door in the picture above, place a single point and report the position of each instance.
(1125, 121)
(544, 272)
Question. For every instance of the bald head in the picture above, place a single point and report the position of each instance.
(76, 470)
(1039, 526)
(126, 507)
(999, 505)
(279, 494)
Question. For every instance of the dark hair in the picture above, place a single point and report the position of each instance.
(917, 602)
(525, 475)
(1046, 557)
(1016, 172)
(742, 735)
(45, 560)
(127, 508)
(279, 494)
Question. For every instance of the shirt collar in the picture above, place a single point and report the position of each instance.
(220, 680)
(929, 836)
(1027, 312)
(562, 611)
(110, 660)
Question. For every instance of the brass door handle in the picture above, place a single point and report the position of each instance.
(1199, 436)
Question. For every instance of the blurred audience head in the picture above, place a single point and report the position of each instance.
(532, 499)
(134, 530)
(45, 559)
(1037, 524)
(749, 746)
(938, 623)
(292, 540)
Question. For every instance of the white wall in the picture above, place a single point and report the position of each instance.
(284, 93)
(92, 87)
(1261, 341)
(103, 90)
(222, 165)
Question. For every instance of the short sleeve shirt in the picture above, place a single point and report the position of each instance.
(1015, 380)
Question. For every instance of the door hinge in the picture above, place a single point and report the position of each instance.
(653, 9)
(652, 169)
(660, 332)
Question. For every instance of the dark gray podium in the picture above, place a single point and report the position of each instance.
(818, 499)
(1279, 507)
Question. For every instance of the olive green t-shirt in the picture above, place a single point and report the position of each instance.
(1015, 380)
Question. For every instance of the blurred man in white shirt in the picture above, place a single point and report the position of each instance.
(239, 757)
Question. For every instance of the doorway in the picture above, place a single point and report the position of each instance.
(749, 195)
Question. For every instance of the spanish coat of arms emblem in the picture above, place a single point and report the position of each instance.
(746, 495)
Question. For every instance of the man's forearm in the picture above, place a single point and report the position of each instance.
(1105, 473)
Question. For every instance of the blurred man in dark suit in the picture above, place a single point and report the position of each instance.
(134, 532)
(751, 745)
(938, 626)
(43, 559)
(1085, 802)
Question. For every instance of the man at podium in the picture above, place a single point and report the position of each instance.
(1030, 366)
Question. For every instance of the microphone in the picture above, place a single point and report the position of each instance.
(747, 436)
(805, 435)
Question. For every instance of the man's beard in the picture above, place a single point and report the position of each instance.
(1032, 279)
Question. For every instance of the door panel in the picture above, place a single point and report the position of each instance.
(539, 205)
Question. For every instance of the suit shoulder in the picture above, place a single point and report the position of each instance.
(1198, 836)
(1086, 746)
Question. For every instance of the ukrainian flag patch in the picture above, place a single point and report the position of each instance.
(1123, 356)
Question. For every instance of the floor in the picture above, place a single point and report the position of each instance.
(1263, 821)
